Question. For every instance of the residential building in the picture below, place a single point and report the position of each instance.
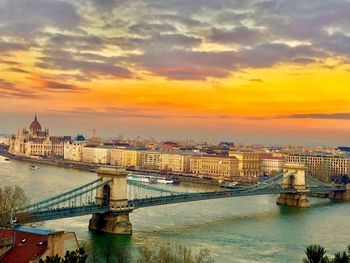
(175, 161)
(117, 156)
(149, 160)
(272, 165)
(29, 245)
(323, 165)
(88, 154)
(73, 151)
(131, 158)
(249, 163)
(214, 166)
(102, 155)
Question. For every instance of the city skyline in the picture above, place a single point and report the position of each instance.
(252, 71)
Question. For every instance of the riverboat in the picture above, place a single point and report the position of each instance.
(151, 179)
(229, 185)
(34, 167)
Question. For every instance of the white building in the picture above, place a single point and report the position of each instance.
(175, 161)
(73, 151)
(272, 165)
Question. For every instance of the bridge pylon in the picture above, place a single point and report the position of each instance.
(340, 195)
(294, 179)
(113, 195)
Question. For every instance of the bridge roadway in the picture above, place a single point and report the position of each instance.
(59, 213)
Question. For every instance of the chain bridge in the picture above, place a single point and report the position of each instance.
(111, 197)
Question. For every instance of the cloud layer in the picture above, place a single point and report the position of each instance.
(176, 39)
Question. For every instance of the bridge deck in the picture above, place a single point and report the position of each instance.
(52, 214)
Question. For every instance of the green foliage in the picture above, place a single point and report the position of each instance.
(341, 258)
(317, 254)
(11, 198)
(78, 256)
(172, 254)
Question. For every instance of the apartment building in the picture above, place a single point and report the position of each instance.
(249, 163)
(272, 165)
(215, 166)
(175, 161)
(323, 165)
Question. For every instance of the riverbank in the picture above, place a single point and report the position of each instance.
(59, 163)
(92, 167)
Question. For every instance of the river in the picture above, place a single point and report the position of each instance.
(241, 229)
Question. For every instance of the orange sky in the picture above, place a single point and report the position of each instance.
(238, 74)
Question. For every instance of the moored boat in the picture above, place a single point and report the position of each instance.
(151, 179)
(34, 167)
(230, 185)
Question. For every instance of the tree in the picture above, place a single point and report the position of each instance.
(341, 258)
(11, 198)
(172, 254)
(77, 256)
(315, 254)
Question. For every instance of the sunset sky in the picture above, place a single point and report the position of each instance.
(255, 71)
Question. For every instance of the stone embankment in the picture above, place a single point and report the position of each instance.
(184, 177)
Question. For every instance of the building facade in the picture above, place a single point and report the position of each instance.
(149, 160)
(88, 154)
(175, 162)
(323, 166)
(249, 163)
(214, 166)
(73, 151)
(36, 142)
(272, 165)
(116, 156)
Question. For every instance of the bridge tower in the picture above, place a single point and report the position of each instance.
(113, 195)
(294, 179)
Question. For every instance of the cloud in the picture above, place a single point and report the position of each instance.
(201, 65)
(10, 90)
(6, 46)
(336, 116)
(27, 17)
(177, 39)
(256, 80)
(240, 35)
(91, 65)
(17, 70)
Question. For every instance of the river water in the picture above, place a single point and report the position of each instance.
(241, 229)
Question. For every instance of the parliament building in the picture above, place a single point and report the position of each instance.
(36, 142)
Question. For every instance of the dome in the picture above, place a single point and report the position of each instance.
(80, 138)
(35, 126)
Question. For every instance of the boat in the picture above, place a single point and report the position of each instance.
(230, 185)
(7, 159)
(151, 179)
(34, 167)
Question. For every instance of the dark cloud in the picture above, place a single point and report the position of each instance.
(92, 65)
(11, 46)
(10, 90)
(200, 65)
(17, 70)
(25, 17)
(240, 35)
(336, 116)
(57, 86)
(145, 29)
(256, 80)
(166, 37)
